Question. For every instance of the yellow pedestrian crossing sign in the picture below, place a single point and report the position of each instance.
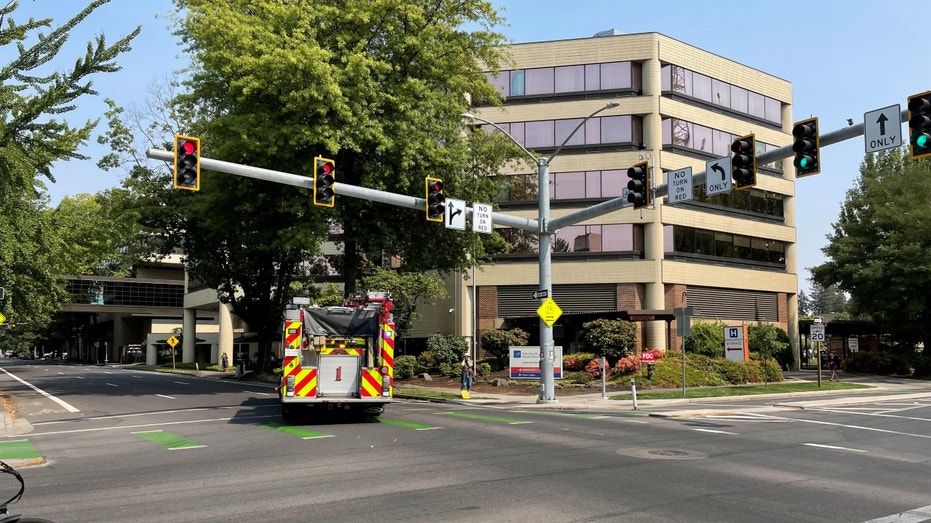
(173, 341)
(549, 312)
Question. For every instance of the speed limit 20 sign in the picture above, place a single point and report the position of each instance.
(817, 332)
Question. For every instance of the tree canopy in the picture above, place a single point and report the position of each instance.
(32, 138)
(878, 250)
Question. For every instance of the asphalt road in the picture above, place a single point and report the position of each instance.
(143, 447)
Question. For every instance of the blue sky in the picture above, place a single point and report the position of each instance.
(863, 63)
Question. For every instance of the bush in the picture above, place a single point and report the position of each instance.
(594, 368)
(706, 338)
(447, 348)
(628, 364)
(578, 378)
(451, 370)
(483, 369)
(497, 343)
(427, 360)
(406, 367)
(577, 361)
(493, 364)
(612, 338)
(875, 362)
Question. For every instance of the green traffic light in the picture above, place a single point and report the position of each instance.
(804, 163)
(921, 140)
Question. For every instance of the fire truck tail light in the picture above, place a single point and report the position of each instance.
(289, 386)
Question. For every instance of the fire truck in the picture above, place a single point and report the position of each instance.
(338, 358)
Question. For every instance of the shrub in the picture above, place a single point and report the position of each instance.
(594, 368)
(483, 369)
(427, 360)
(875, 362)
(611, 338)
(577, 361)
(627, 364)
(706, 338)
(447, 348)
(579, 378)
(493, 364)
(451, 370)
(406, 367)
(498, 342)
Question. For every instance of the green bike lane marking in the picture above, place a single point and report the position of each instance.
(295, 431)
(18, 449)
(509, 421)
(406, 424)
(168, 440)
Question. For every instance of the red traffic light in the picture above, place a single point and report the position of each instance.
(189, 147)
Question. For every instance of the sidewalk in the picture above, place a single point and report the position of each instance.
(881, 388)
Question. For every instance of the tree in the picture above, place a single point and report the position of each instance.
(706, 338)
(31, 140)
(770, 341)
(409, 290)
(827, 300)
(878, 250)
(613, 339)
(498, 343)
(804, 303)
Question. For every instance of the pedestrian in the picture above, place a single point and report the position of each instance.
(834, 364)
(468, 373)
(224, 362)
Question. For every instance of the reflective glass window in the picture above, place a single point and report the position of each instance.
(570, 79)
(564, 127)
(539, 81)
(539, 134)
(517, 83)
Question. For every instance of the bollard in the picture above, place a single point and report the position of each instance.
(604, 372)
(633, 392)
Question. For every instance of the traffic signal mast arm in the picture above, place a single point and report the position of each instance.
(342, 189)
(504, 220)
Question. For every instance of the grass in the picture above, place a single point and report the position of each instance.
(741, 390)
(426, 393)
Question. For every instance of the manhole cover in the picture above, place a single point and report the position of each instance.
(669, 453)
(662, 453)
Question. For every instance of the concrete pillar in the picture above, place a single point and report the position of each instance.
(189, 339)
(225, 335)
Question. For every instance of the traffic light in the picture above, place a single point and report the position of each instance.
(919, 125)
(639, 185)
(743, 163)
(436, 202)
(324, 178)
(807, 147)
(187, 163)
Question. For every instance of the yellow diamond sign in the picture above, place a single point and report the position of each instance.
(2, 318)
(549, 312)
(173, 341)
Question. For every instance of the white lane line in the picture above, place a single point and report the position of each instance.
(166, 397)
(833, 447)
(182, 383)
(912, 516)
(113, 384)
(157, 424)
(67, 406)
(257, 392)
(716, 431)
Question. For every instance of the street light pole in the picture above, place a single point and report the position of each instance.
(544, 235)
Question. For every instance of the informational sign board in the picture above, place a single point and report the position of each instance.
(853, 344)
(735, 343)
(816, 333)
(718, 176)
(882, 129)
(647, 357)
(525, 363)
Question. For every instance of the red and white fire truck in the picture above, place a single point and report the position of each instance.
(338, 358)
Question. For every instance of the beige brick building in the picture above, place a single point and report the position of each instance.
(731, 256)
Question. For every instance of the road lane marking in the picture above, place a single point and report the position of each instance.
(168, 440)
(182, 383)
(860, 427)
(488, 418)
(912, 516)
(717, 432)
(145, 425)
(166, 397)
(112, 385)
(67, 406)
(833, 447)
(295, 431)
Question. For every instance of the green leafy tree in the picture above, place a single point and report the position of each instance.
(613, 339)
(770, 342)
(827, 300)
(498, 343)
(32, 138)
(706, 338)
(409, 290)
(804, 304)
(878, 250)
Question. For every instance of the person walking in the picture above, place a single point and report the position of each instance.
(224, 362)
(468, 373)
(834, 364)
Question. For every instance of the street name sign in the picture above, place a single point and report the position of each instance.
(882, 129)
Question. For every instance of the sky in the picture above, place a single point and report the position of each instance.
(866, 57)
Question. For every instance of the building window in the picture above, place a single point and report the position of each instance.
(711, 142)
(618, 237)
(723, 245)
(681, 81)
(548, 134)
(567, 80)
